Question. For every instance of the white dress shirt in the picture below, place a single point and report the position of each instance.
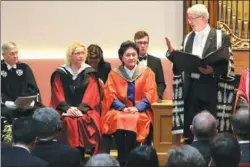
(129, 72)
(200, 39)
(9, 67)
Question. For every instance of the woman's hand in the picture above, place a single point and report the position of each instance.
(74, 112)
(133, 110)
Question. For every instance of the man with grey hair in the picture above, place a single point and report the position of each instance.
(185, 156)
(240, 125)
(17, 80)
(208, 88)
(203, 128)
(47, 148)
(102, 160)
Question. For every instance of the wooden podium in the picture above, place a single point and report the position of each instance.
(163, 138)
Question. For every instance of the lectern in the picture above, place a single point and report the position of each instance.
(163, 138)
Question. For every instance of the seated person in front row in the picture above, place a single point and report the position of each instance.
(128, 94)
(24, 138)
(17, 80)
(75, 95)
(47, 148)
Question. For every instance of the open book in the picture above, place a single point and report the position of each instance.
(25, 102)
(190, 63)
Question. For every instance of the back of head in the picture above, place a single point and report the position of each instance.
(24, 131)
(225, 150)
(240, 123)
(102, 160)
(48, 122)
(143, 156)
(204, 125)
(185, 155)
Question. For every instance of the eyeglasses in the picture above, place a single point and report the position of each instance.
(142, 42)
(193, 18)
(78, 53)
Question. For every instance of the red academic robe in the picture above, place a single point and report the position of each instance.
(243, 90)
(116, 88)
(83, 93)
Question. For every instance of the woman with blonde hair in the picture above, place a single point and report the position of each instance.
(75, 95)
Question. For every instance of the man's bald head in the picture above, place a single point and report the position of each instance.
(204, 125)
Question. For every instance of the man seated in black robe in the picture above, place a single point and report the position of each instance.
(17, 80)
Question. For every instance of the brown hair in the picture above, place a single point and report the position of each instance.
(140, 34)
(95, 50)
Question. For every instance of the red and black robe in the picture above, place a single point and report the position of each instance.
(81, 91)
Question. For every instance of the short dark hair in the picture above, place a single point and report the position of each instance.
(225, 150)
(48, 122)
(140, 34)
(204, 125)
(240, 123)
(185, 155)
(124, 46)
(143, 156)
(24, 130)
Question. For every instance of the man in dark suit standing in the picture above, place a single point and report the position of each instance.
(141, 38)
(240, 127)
(24, 137)
(47, 148)
(203, 128)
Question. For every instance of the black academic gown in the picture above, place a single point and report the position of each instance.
(16, 82)
(210, 92)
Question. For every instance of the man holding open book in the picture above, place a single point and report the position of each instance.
(19, 91)
(208, 86)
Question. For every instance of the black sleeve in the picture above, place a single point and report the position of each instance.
(160, 81)
(222, 69)
(32, 88)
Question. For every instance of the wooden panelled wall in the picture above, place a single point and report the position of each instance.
(232, 16)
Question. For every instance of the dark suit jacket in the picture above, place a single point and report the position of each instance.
(17, 156)
(57, 155)
(203, 147)
(155, 64)
(244, 147)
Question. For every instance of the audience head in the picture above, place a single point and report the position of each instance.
(141, 38)
(225, 150)
(185, 155)
(102, 160)
(10, 53)
(143, 156)
(48, 122)
(240, 123)
(76, 54)
(197, 17)
(204, 125)
(128, 54)
(24, 132)
(95, 56)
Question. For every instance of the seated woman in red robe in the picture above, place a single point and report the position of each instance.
(75, 95)
(243, 92)
(128, 94)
